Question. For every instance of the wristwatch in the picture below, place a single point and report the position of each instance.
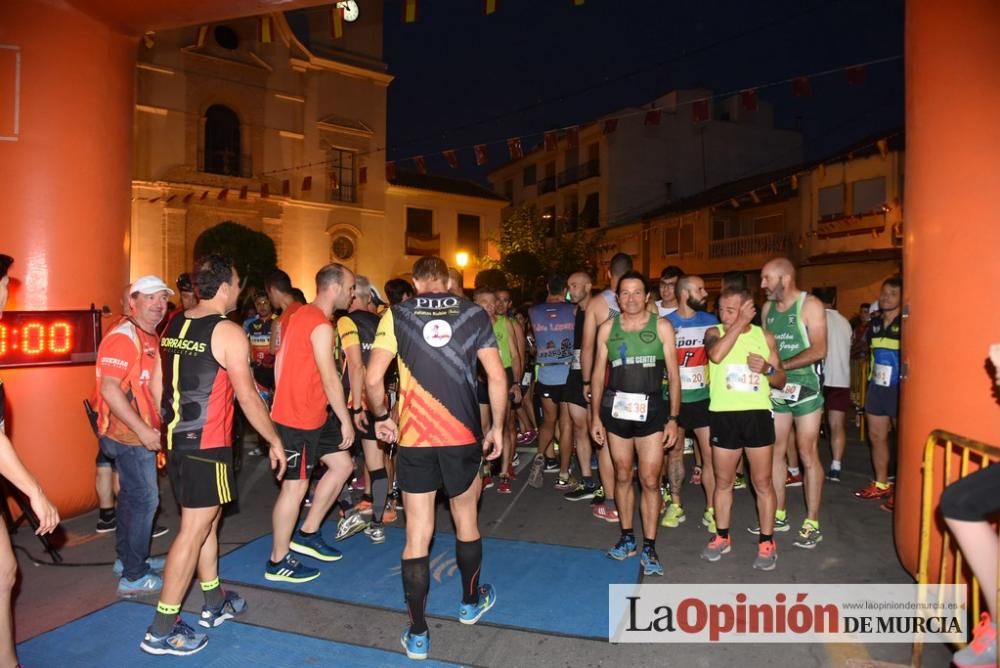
(672, 418)
(770, 370)
(382, 418)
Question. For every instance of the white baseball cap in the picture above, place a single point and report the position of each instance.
(149, 285)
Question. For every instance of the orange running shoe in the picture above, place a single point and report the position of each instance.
(873, 491)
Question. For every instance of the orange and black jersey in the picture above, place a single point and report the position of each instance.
(197, 405)
(436, 339)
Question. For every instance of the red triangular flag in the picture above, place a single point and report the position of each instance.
(748, 98)
(243, 192)
(390, 171)
(610, 125)
(552, 140)
(699, 111)
(170, 199)
(204, 195)
(187, 198)
(480, 151)
(451, 157)
(286, 187)
(155, 199)
(337, 22)
(307, 184)
(223, 193)
(653, 117)
(573, 137)
(801, 87)
(409, 11)
(514, 146)
(489, 6)
(265, 191)
(856, 75)
(420, 163)
(362, 176)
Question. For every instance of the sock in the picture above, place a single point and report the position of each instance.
(881, 485)
(793, 470)
(588, 481)
(781, 515)
(307, 534)
(416, 582)
(835, 465)
(469, 555)
(650, 543)
(214, 597)
(380, 493)
(765, 538)
(711, 511)
(628, 533)
(366, 497)
(610, 503)
(344, 500)
(811, 523)
(106, 514)
(166, 617)
(722, 533)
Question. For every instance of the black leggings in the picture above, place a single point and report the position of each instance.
(973, 498)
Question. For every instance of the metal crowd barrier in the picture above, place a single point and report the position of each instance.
(950, 559)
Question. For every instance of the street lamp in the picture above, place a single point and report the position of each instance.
(462, 259)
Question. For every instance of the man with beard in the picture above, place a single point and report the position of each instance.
(690, 321)
(798, 322)
(579, 285)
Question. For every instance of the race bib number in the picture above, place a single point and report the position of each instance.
(882, 375)
(692, 377)
(575, 365)
(631, 407)
(526, 381)
(789, 392)
(739, 378)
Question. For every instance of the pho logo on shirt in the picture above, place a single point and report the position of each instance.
(437, 333)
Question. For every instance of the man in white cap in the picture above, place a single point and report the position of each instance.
(129, 386)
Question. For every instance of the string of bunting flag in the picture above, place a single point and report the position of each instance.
(856, 75)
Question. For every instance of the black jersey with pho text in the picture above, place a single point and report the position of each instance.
(197, 405)
(356, 328)
(436, 339)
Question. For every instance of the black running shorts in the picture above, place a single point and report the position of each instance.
(573, 389)
(452, 468)
(305, 447)
(694, 415)
(733, 430)
(657, 412)
(202, 478)
(974, 498)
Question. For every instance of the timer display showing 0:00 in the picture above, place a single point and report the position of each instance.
(42, 338)
(36, 339)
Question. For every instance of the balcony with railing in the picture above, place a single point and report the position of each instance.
(754, 244)
(226, 163)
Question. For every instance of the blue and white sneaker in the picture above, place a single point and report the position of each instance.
(623, 549)
(234, 606)
(155, 563)
(350, 525)
(314, 546)
(650, 562)
(290, 569)
(469, 613)
(150, 583)
(416, 645)
(181, 641)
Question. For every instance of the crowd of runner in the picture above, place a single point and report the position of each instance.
(429, 389)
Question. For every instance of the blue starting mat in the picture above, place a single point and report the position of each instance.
(111, 636)
(549, 588)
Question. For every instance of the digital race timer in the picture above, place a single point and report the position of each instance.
(41, 338)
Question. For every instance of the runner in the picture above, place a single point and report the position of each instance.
(357, 334)
(882, 400)
(280, 292)
(579, 285)
(519, 410)
(743, 363)
(667, 303)
(691, 320)
(314, 424)
(128, 390)
(631, 414)
(798, 322)
(437, 339)
(836, 380)
(553, 324)
(598, 312)
(205, 361)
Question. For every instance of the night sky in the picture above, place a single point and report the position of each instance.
(463, 78)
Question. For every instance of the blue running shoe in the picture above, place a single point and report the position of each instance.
(234, 606)
(181, 641)
(623, 549)
(469, 613)
(150, 583)
(290, 569)
(155, 564)
(650, 562)
(416, 645)
(314, 546)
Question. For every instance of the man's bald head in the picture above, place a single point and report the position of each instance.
(780, 265)
(778, 278)
(579, 285)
